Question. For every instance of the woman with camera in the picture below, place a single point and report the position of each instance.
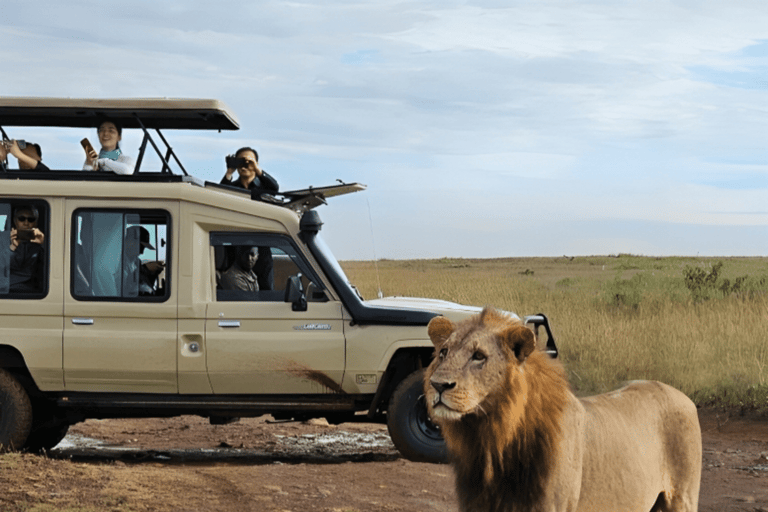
(252, 177)
(26, 251)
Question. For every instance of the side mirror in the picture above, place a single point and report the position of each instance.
(294, 293)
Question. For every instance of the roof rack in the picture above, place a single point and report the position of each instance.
(143, 113)
(151, 177)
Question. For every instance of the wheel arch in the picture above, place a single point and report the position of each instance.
(403, 362)
(13, 362)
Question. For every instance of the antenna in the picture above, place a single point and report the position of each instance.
(373, 245)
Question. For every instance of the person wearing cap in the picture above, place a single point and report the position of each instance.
(29, 156)
(138, 276)
(111, 157)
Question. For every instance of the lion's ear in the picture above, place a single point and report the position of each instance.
(439, 329)
(520, 340)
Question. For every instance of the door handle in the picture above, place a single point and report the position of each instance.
(229, 323)
(82, 321)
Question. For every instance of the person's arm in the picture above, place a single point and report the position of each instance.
(268, 182)
(123, 165)
(41, 166)
(91, 159)
(20, 156)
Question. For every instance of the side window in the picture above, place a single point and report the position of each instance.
(257, 267)
(120, 255)
(24, 251)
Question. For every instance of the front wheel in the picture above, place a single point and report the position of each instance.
(15, 413)
(411, 430)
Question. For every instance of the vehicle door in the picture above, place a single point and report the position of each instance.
(31, 286)
(120, 313)
(257, 343)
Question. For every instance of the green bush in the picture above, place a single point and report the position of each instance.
(705, 285)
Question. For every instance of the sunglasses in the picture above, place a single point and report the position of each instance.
(24, 218)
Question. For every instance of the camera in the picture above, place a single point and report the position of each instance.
(235, 162)
(25, 234)
(21, 143)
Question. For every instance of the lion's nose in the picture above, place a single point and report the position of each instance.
(443, 386)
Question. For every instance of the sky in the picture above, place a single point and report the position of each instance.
(481, 128)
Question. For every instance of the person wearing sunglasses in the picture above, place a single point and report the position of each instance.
(28, 154)
(27, 253)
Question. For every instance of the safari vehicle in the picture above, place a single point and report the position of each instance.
(86, 341)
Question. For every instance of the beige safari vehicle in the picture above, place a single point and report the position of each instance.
(85, 332)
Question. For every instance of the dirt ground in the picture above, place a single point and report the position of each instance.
(186, 464)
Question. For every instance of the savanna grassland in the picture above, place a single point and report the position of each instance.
(699, 324)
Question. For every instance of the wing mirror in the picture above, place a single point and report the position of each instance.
(294, 293)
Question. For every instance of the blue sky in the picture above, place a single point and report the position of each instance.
(482, 129)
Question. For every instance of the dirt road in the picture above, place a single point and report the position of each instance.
(185, 464)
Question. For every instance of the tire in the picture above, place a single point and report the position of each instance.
(15, 413)
(412, 432)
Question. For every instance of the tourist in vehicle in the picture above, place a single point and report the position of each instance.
(136, 273)
(240, 276)
(251, 176)
(27, 251)
(111, 157)
(29, 156)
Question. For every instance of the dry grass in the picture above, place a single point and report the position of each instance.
(617, 318)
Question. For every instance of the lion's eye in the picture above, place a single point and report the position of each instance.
(443, 353)
(478, 356)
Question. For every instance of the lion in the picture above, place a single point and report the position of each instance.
(520, 440)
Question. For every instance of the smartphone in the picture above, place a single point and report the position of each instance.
(25, 234)
(86, 146)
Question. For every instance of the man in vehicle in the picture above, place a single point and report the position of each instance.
(27, 252)
(251, 176)
(240, 276)
(136, 273)
(29, 156)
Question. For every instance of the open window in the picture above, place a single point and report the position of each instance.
(259, 266)
(24, 253)
(120, 255)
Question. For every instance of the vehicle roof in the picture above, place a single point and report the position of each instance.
(158, 113)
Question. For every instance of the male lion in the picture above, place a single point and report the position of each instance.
(519, 440)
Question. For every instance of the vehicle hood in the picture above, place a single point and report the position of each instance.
(450, 310)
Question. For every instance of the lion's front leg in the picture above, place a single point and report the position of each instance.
(563, 490)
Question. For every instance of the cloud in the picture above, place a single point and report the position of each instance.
(468, 120)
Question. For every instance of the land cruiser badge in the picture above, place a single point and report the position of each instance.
(312, 327)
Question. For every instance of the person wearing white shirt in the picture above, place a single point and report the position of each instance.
(111, 157)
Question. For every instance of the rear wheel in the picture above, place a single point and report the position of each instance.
(410, 428)
(15, 413)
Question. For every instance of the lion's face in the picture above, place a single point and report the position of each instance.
(477, 362)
